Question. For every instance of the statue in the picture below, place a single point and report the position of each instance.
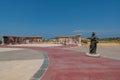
(93, 44)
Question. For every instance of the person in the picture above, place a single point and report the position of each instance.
(93, 44)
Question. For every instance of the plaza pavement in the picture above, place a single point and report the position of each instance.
(112, 52)
(19, 63)
(70, 63)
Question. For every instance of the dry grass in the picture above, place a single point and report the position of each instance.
(109, 44)
(105, 44)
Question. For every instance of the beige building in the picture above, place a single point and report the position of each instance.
(21, 39)
(76, 39)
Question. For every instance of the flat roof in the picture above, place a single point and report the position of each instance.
(68, 36)
(23, 36)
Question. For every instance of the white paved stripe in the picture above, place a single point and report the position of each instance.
(9, 49)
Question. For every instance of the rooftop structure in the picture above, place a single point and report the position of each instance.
(76, 39)
(21, 39)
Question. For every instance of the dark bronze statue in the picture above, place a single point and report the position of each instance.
(93, 44)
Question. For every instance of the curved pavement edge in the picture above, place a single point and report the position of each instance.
(43, 68)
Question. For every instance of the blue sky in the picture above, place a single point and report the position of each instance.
(51, 18)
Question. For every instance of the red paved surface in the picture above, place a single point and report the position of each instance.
(70, 65)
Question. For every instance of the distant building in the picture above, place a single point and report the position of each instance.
(21, 39)
(76, 39)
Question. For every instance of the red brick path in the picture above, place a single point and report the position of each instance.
(70, 65)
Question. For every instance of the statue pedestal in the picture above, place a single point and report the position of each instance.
(79, 45)
(93, 55)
